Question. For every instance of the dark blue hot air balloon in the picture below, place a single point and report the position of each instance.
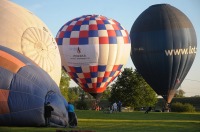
(163, 48)
(24, 89)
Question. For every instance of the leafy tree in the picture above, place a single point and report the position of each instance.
(106, 93)
(78, 96)
(132, 90)
(64, 84)
(179, 93)
(196, 96)
(73, 94)
(180, 107)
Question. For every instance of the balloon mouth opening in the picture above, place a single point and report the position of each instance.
(97, 96)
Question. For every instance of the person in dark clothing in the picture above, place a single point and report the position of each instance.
(72, 115)
(148, 110)
(119, 106)
(47, 113)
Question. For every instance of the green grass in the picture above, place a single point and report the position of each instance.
(125, 121)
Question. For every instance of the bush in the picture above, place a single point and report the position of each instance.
(82, 105)
(179, 107)
(189, 108)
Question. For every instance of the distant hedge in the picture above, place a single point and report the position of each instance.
(82, 105)
(194, 101)
(180, 107)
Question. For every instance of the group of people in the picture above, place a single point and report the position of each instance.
(71, 114)
(116, 107)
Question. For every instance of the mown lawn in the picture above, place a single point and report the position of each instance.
(125, 121)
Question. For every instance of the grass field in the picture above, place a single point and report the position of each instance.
(125, 121)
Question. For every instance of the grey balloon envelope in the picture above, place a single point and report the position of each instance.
(163, 48)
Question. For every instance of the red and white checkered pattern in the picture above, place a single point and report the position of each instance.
(111, 44)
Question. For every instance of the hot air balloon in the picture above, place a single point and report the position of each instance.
(24, 89)
(93, 51)
(24, 32)
(163, 48)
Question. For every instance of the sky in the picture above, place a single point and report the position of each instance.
(55, 13)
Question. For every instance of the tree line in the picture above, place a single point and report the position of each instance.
(129, 88)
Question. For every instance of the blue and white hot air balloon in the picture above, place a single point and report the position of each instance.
(93, 51)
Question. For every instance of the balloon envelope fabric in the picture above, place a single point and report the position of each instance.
(163, 48)
(24, 88)
(93, 50)
(24, 32)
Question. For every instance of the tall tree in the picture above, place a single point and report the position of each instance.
(74, 93)
(132, 90)
(64, 84)
(106, 93)
(179, 93)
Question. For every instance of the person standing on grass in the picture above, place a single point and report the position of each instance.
(71, 115)
(119, 105)
(47, 113)
(148, 110)
(115, 107)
